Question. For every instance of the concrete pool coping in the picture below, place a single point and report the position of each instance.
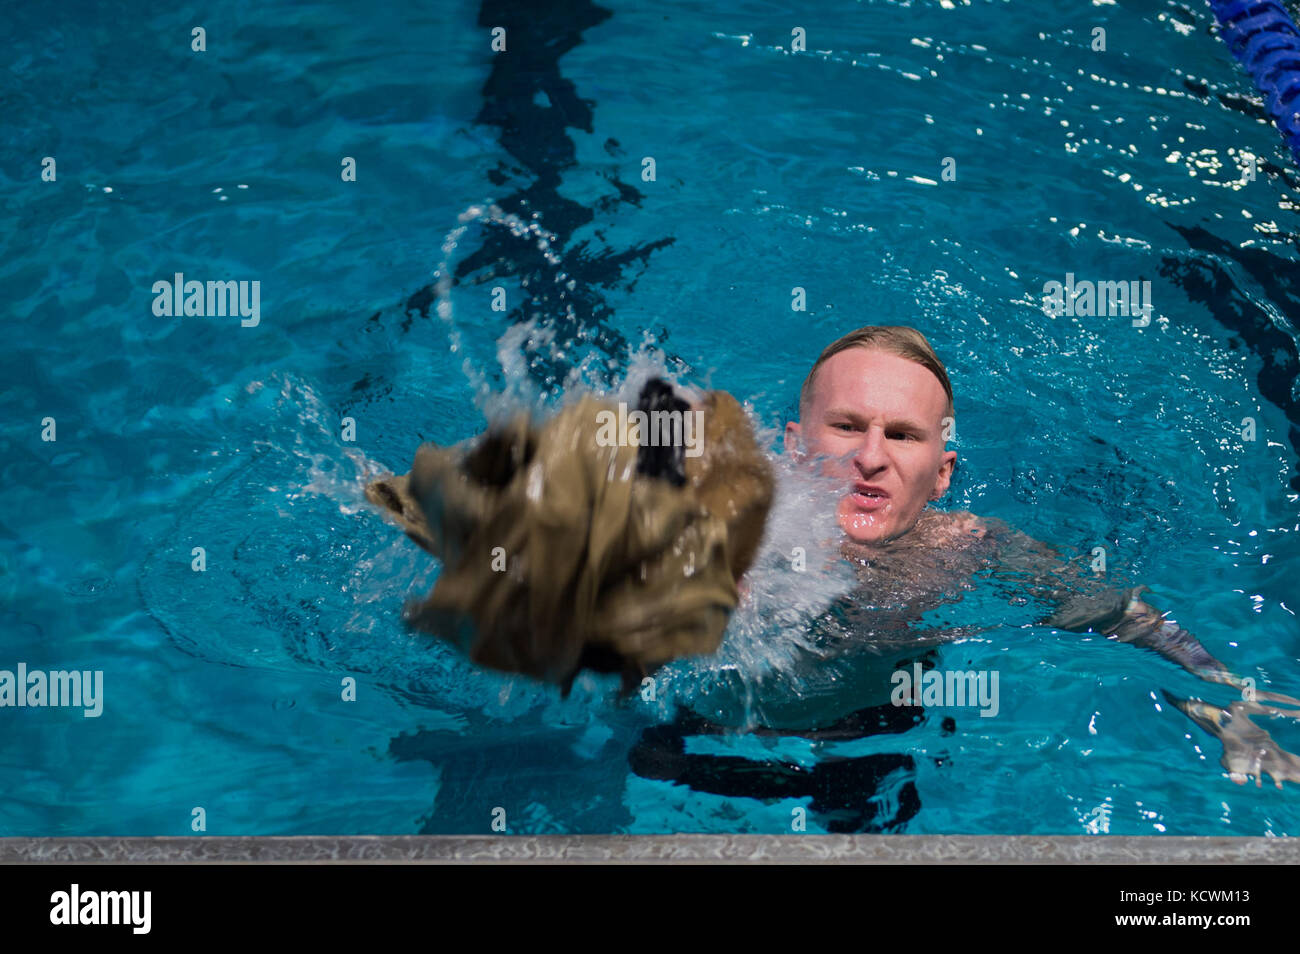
(656, 849)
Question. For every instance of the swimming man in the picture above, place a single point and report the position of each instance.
(874, 411)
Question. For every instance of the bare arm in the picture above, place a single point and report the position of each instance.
(1085, 605)
(1124, 616)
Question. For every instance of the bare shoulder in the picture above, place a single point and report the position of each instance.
(967, 524)
(956, 528)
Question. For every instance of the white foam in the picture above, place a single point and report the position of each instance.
(798, 575)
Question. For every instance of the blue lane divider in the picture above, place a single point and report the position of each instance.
(1265, 40)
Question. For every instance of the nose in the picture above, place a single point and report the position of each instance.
(871, 458)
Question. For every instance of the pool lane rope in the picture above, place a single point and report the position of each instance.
(1265, 40)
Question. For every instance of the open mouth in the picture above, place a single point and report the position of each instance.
(868, 497)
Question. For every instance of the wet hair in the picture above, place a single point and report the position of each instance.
(896, 339)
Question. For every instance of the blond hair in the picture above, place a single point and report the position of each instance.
(896, 339)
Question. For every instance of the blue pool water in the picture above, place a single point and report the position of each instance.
(819, 169)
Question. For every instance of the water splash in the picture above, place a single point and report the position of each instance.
(771, 649)
(443, 277)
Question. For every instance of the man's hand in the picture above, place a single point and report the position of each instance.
(1247, 749)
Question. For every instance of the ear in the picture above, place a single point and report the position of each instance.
(793, 440)
(947, 463)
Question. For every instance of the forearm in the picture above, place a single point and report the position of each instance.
(1144, 625)
(1124, 616)
(1085, 604)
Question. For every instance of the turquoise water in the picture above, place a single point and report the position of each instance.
(820, 169)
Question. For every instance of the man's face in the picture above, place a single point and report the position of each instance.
(876, 419)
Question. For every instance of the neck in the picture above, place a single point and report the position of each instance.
(914, 536)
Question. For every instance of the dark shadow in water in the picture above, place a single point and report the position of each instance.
(866, 794)
(539, 774)
(534, 771)
(1208, 282)
(533, 106)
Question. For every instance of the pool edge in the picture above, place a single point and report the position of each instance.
(654, 849)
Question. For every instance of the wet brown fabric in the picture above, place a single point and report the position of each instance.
(604, 568)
